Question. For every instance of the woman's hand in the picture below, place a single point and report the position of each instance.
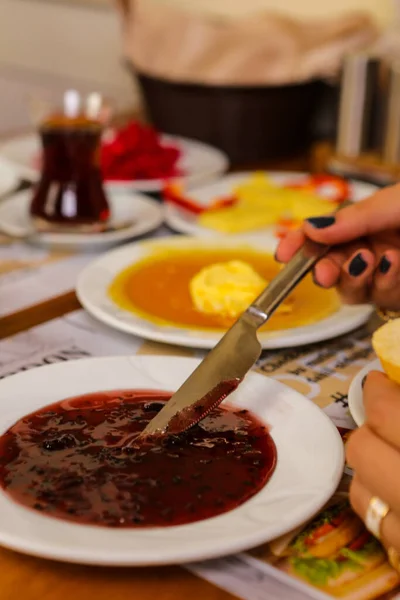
(373, 451)
(365, 266)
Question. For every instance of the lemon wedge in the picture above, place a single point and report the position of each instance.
(386, 343)
(227, 289)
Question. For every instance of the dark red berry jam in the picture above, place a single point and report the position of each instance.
(78, 460)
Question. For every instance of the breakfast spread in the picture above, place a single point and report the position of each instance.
(82, 459)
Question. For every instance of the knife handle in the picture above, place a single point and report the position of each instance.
(286, 280)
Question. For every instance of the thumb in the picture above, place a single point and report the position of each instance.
(378, 213)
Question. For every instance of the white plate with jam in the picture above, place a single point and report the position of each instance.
(198, 163)
(132, 215)
(144, 289)
(355, 396)
(249, 222)
(82, 506)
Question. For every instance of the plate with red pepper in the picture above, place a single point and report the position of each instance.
(134, 157)
(256, 203)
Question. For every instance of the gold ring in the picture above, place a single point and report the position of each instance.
(394, 559)
(376, 512)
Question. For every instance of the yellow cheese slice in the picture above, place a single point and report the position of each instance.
(262, 204)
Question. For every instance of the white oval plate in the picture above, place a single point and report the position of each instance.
(200, 162)
(140, 213)
(355, 396)
(183, 222)
(310, 464)
(95, 279)
(8, 178)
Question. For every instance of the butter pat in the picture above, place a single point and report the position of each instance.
(227, 289)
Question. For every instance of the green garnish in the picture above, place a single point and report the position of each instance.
(319, 571)
(359, 556)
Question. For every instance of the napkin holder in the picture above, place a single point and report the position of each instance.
(368, 131)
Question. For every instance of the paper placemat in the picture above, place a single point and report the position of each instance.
(322, 372)
(30, 274)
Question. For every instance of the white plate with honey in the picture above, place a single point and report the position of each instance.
(265, 203)
(188, 293)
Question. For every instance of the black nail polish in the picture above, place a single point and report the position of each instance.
(363, 381)
(384, 265)
(357, 266)
(321, 222)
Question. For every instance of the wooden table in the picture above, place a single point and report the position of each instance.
(36, 579)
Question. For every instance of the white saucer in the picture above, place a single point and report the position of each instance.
(355, 396)
(8, 178)
(200, 162)
(182, 221)
(310, 464)
(140, 213)
(96, 278)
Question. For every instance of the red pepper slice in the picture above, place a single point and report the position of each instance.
(318, 533)
(225, 202)
(172, 194)
(339, 189)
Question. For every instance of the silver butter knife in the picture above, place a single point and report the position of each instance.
(227, 364)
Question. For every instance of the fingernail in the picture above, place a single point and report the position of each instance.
(276, 259)
(384, 265)
(357, 266)
(321, 222)
(363, 381)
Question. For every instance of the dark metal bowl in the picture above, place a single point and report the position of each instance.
(250, 124)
